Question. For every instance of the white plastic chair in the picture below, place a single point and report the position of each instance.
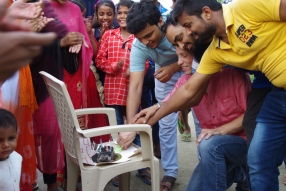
(94, 178)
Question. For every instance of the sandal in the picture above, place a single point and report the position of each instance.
(167, 182)
(115, 181)
(143, 177)
(79, 186)
(186, 138)
(35, 185)
(181, 127)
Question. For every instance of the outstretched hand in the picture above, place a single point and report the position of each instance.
(125, 139)
(20, 9)
(145, 115)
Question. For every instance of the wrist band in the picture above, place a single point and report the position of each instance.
(159, 105)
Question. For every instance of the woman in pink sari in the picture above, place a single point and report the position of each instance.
(56, 60)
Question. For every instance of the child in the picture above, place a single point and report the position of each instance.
(104, 16)
(10, 160)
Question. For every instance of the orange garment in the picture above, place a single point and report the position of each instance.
(26, 90)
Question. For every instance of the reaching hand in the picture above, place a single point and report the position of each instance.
(145, 114)
(22, 10)
(125, 139)
(164, 74)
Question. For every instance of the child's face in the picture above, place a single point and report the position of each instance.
(105, 15)
(185, 59)
(8, 141)
(121, 16)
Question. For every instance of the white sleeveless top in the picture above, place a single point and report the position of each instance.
(10, 172)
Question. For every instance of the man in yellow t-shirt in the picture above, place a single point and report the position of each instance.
(250, 35)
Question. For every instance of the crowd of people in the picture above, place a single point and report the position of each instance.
(153, 66)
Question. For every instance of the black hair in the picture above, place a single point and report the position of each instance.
(107, 3)
(79, 3)
(7, 119)
(194, 7)
(141, 14)
(169, 21)
(125, 3)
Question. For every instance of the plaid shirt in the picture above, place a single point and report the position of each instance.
(111, 50)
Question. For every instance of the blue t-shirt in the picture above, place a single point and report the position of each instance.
(163, 55)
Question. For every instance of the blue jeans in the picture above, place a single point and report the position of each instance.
(268, 146)
(222, 162)
(120, 112)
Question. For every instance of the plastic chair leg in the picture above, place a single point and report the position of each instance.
(124, 181)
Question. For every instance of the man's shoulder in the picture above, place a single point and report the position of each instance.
(139, 45)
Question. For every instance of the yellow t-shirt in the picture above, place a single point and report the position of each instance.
(256, 41)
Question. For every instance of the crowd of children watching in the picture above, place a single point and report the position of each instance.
(153, 66)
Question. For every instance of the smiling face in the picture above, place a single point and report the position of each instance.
(8, 141)
(178, 37)
(105, 15)
(197, 27)
(185, 59)
(121, 16)
(151, 36)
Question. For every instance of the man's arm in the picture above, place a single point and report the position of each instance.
(182, 96)
(133, 101)
(134, 95)
(147, 113)
(282, 10)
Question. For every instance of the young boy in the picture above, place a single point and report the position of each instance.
(10, 160)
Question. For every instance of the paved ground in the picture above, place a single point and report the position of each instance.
(187, 162)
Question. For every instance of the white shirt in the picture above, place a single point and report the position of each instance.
(10, 172)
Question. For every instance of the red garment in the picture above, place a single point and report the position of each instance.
(224, 100)
(112, 49)
(93, 100)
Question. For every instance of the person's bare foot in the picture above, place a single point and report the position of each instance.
(284, 180)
